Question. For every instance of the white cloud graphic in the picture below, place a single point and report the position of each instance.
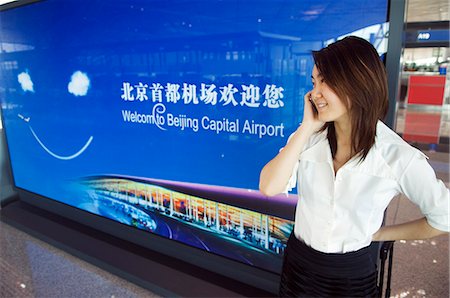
(79, 84)
(25, 81)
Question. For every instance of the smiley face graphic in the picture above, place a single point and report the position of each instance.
(78, 86)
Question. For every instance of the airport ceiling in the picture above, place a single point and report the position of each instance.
(427, 10)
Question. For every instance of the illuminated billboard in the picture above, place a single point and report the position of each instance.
(161, 114)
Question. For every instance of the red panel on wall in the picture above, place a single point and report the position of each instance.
(426, 90)
(422, 127)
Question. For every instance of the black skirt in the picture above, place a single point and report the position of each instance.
(310, 273)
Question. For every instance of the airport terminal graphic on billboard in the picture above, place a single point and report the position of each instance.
(161, 114)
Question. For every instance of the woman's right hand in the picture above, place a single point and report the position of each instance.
(310, 114)
(276, 174)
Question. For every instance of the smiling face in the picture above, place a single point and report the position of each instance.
(78, 86)
(328, 104)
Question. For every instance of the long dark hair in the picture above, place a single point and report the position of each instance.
(352, 68)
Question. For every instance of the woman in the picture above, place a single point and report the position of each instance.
(349, 166)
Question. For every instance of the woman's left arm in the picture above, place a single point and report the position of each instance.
(413, 230)
(420, 185)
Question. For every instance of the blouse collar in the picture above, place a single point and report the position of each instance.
(374, 164)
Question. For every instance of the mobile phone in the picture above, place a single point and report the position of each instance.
(313, 105)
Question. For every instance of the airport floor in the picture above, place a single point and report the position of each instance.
(31, 267)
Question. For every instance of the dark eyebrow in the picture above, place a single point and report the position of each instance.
(318, 76)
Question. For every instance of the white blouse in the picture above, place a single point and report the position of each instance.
(340, 213)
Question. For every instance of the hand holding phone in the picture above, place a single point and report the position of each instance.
(313, 105)
(311, 114)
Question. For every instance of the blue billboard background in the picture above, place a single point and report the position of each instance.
(201, 92)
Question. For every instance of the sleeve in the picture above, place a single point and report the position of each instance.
(293, 179)
(420, 185)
